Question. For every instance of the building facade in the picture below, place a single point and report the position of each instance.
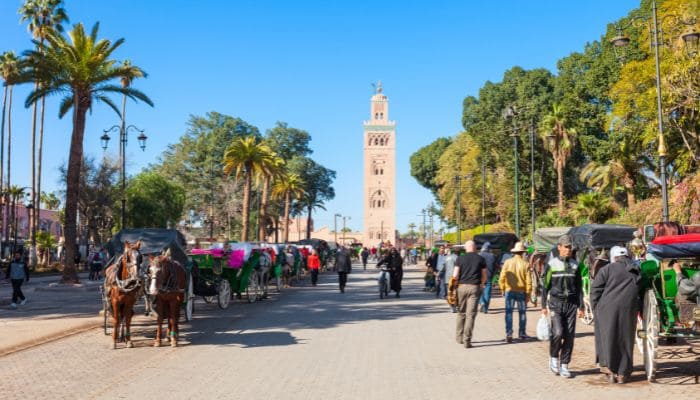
(379, 172)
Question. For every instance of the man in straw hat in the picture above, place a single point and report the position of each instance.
(516, 283)
(563, 284)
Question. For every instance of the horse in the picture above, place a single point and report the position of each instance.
(168, 282)
(123, 287)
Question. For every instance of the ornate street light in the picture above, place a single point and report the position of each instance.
(123, 138)
(690, 39)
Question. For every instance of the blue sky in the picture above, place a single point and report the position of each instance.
(310, 64)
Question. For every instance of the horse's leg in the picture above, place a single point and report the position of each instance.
(174, 316)
(128, 314)
(159, 321)
(115, 321)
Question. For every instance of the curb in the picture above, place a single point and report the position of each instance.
(52, 337)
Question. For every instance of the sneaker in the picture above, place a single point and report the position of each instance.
(524, 338)
(564, 371)
(468, 344)
(13, 305)
(509, 339)
(554, 365)
(23, 302)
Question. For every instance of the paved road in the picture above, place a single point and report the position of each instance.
(315, 343)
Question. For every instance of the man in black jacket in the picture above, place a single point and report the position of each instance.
(343, 264)
(563, 284)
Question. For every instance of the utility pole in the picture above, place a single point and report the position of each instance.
(459, 209)
(532, 179)
(335, 226)
(344, 217)
(483, 196)
(425, 237)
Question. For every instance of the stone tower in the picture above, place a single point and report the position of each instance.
(379, 173)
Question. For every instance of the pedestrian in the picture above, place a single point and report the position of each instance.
(314, 264)
(562, 282)
(689, 288)
(440, 283)
(373, 251)
(403, 254)
(396, 273)
(515, 281)
(288, 266)
(470, 271)
(95, 265)
(364, 254)
(615, 302)
(343, 265)
(490, 259)
(414, 256)
(18, 273)
(450, 259)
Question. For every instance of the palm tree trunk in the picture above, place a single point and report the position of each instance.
(263, 208)
(3, 216)
(246, 205)
(560, 184)
(75, 159)
(287, 201)
(629, 190)
(30, 226)
(9, 158)
(37, 201)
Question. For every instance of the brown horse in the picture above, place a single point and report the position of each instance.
(123, 287)
(168, 281)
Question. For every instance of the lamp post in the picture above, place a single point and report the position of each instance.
(483, 196)
(123, 131)
(691, 46)
(459, 179)
(344, 218)
(335, 226)
(532, 180)
(511, 113)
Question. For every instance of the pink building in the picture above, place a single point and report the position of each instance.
(48, 221)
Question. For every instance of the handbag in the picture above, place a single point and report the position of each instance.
(452, 292)
(544, 328)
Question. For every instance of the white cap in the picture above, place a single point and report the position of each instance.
(617, 251)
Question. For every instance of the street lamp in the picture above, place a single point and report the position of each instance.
(123, 131)
(335, 226)
(459, 179)
(511, 113)
(690, 39)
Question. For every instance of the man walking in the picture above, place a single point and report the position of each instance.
(562, 282)
(470, 271)
(490, 259)
(18, 273)
(343, 265)
(364, 254)
(516, 283)
(314, 264)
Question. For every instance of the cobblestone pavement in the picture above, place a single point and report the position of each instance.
(316, 343)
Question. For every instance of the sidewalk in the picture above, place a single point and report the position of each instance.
(52, 311)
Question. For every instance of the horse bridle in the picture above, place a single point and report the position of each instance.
(133, 281)
(169, 286)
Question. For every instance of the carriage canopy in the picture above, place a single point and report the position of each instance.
(499, 240)
(153, 241)
(679, 246)
(601, 236)
(546, 238)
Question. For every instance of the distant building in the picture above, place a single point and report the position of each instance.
(48, 221)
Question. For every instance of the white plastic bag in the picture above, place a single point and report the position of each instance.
(544, 328)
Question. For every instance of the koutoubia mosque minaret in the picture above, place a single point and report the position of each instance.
(380, 173)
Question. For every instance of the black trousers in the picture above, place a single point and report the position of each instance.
(561, 344)
(342, 279)
(314, 276)
(17, 290)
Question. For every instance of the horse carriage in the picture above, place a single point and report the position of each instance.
(544, 242)
(229, 270)
(666, 314)
(162, 278)
(322, 249)
(500, 244)
(591, 245)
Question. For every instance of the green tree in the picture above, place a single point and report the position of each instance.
(273, 170)
(45, 243)
(424, 163)
(44, 17)
(559, 140)
(318, 185)
(593, 208)
(288, 142)
(82, 68)
(153, 201)
(247, 157)
(289, 187)
(50, 201)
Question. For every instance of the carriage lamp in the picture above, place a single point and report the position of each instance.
(691, 40)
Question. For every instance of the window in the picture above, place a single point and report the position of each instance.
(381, 115)
(381, 142)
(381, 171)
(371, 235)
(376, 141)
(387, 141)
(376, 115)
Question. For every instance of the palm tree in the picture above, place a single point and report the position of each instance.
(9, 71)
(594, 207)
(558, 139)
(412, 230)
(15, 192)
(247, 156)
(45, 17)
(82, 69)
(291, 186)
(50, 201)
(311, 203)
(273, 170)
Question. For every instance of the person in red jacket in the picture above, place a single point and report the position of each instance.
(314, 263)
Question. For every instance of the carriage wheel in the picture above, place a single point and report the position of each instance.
(224, 294)
(587, 311)
(189, 300)
(252, 291)
(651, 330)
(209, 299)
(264, 285)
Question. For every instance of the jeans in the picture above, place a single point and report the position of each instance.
(467, 304)
(485, 298)
(17, 290)
(441, 286)
(511, 299)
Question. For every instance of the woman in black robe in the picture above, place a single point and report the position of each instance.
(615, 302)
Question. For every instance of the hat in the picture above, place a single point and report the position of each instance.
(617, 251)
(519, 248)
(564, 240)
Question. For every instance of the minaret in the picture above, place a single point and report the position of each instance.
(380, 173)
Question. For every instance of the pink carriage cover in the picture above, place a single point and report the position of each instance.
(213, 252)
(235, 259)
